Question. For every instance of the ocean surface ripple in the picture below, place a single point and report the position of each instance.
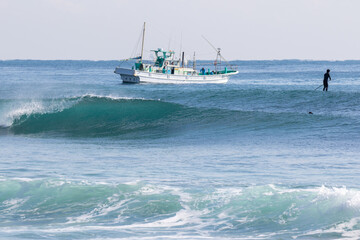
(265, 156)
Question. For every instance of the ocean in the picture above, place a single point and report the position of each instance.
(83, 156)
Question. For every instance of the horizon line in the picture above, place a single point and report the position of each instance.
(247, 60)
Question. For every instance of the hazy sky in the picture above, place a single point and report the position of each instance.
(244, 29)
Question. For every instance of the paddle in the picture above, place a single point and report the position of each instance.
(318, 87)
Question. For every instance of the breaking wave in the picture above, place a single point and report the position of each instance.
(101, 116)
(128, 209)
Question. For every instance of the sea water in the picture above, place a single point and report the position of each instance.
(83, 156)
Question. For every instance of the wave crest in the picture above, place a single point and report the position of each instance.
(101, 116)
(243, 210)
(91, 115)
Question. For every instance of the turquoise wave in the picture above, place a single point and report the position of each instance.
(99, 116)
(62, 206)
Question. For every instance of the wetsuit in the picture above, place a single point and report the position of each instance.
(325, 82)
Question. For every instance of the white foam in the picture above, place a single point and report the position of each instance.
(133, 183)
(280, 190)
(345, 229)
(13, 203)
(23, 179)
(347, 197)
(184, 196)
(150, 190)
(268, 193)
(184, 217)
(332, 192)
(15, 110)
(112, 97)
(101, 210)
(224, 195)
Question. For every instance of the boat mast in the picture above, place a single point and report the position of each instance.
(194, 62)
(218, 59)
(182, 60)
(142, 45)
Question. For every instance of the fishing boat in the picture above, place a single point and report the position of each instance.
(167, 69)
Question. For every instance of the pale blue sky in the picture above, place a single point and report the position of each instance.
(244, 29)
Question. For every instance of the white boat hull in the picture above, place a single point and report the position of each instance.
(136, 76)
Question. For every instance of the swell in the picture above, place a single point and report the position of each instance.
(286, 211)
(96, 116)
(100, 116)
(274, 101)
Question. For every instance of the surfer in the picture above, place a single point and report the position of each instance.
(325, 82)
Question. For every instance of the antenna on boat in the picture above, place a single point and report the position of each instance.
(142, 45)
(218, 59)
(217, 50)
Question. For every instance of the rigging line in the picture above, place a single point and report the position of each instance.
(137, 45)
(180, 46)
(215, 49)
(172, 40)
(134, 50)
(169, 42)
(166, 35)
(159, 30)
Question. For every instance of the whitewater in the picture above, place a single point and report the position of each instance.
(83, 156)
